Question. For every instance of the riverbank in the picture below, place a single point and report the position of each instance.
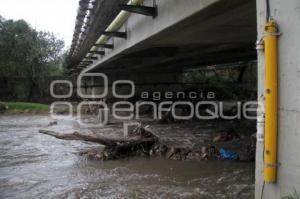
(23, 108)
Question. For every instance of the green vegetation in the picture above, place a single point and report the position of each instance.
(27, 55)
(240, 72)
(230, 81)
(25, 107)
(25, 52)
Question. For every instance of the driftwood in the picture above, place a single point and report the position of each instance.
(92, 137)
(140, 142)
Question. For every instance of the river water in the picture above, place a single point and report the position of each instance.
(33, 165)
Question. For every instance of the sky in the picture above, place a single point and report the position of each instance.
(57, 16)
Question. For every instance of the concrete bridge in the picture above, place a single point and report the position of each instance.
(152, 42)
(182, 34)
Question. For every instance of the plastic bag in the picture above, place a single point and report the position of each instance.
(227, 154)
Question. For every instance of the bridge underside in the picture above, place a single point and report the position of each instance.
(184, 35)
(222, 32)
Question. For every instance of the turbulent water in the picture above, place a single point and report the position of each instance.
(33, 165)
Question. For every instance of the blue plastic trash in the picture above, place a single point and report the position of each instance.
(227, 154)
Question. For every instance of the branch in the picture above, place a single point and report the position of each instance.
(92, 137)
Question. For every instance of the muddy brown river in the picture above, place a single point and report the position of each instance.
(34, 166)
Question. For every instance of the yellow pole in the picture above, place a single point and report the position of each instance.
(271, 59)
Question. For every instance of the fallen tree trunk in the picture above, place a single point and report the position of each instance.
(140, 142)
(92, 137)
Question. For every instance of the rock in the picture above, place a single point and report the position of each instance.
(204, 153)
(194, 155)
(95, 155)
(159, 149)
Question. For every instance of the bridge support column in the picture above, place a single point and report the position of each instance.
(286, 13)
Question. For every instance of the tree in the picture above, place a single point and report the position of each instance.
(27, 53)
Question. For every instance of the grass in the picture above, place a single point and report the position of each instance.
(26, 107)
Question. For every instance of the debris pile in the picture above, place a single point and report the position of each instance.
(142, 142)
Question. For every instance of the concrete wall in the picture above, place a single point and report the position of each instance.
(287, 14)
